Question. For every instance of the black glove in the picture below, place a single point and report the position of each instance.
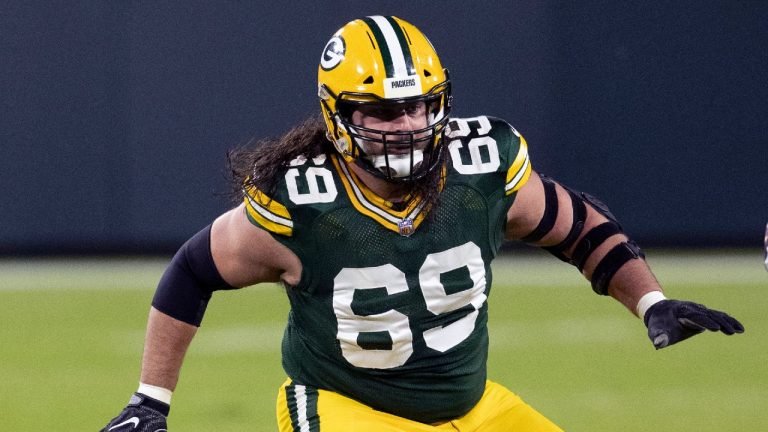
(672, 321)
(143, 414)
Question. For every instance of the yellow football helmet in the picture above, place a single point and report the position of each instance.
(383, 60)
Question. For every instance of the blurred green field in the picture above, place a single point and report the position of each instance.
(71, 334)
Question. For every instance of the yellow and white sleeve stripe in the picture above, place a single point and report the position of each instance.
(520, 170)
(267, 213)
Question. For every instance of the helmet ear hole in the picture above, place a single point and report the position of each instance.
(368, 80)
(426, 73)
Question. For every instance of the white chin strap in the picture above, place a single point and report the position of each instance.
(399, 165)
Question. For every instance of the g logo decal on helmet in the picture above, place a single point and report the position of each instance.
(333, 53)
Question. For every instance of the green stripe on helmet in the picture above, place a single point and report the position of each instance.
(386, 57)
(404, 45)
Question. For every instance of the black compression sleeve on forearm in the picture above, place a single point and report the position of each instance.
(189, 280)
(591, 241)
(611, 263)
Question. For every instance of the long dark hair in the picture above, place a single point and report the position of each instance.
(262, 163)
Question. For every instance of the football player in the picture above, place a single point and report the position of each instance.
(382, 219)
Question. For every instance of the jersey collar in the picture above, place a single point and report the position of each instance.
(403, 222)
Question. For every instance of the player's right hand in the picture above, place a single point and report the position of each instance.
(143, 414)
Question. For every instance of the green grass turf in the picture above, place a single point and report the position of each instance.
(71, 334)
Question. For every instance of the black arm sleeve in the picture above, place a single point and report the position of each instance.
(611, 262)
(189, 281)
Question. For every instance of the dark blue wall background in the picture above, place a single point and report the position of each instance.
(115, 116)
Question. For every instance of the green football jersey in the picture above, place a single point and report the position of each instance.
(391, 306)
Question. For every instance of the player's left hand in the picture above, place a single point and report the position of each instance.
(672, 321)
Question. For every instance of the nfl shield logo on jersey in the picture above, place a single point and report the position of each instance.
(406, 227)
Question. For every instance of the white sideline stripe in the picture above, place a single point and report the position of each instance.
(39, 274)
(240, 339)
(518, 268)
(213, 342)
(563, 332)
(85, 274)
(531, 270)
(607, 399)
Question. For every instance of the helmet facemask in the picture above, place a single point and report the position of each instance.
(400, 155)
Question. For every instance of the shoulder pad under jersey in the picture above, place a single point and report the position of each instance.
(307, 187)
(484, 145)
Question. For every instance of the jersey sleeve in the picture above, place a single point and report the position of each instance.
(519, 169)
(267, 213)
(487, 146)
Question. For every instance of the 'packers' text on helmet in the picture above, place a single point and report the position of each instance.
(384, 63)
